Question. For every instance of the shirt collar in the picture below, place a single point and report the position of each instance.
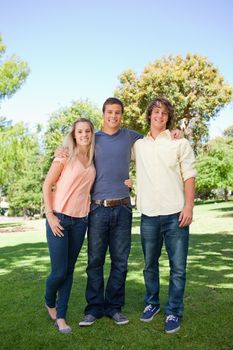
(164, 134)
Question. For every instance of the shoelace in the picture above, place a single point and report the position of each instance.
(148, 308)
(119, 315)
(171, 318)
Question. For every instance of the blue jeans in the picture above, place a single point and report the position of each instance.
(64, 252)
(154, 230)
(109, 227)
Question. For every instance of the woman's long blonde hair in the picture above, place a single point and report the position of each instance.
(70, 142)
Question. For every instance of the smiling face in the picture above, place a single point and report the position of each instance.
(112, 116)
(83, 134)
(159, 117)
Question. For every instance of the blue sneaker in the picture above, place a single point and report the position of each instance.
(172, 324)
(149, 312)
(87, 321)
(120, 318)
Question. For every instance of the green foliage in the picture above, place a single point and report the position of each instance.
(4, 123)
(228, 132)
(13, 73)
(61, 121)
(20, 167)
(14, 144)
(192, 84)
(25, 195)
(215, 166)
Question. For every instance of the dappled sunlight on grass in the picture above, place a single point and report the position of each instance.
(213, 218)
(25, 265)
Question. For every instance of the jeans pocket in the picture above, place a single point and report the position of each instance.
(128, 207)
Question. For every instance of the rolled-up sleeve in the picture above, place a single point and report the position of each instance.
(187, 160)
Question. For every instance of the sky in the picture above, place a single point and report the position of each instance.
(77, 49)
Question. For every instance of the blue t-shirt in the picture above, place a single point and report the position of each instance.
(112, 160)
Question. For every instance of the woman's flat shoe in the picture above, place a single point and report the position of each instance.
(52, 318)
(62, 330)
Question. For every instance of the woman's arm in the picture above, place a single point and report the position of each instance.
(50, 180)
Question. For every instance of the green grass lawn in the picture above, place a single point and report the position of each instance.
(208, 317)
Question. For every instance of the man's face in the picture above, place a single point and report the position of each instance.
(112, 116)
(159, 117)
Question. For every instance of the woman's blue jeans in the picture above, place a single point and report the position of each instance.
(64, 252)
(155, 230)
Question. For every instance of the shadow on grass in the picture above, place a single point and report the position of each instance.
(10, 224)
(228, 212)
(222, 209)
(210, 260)
(24, 269)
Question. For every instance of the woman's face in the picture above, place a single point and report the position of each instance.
(83, 134)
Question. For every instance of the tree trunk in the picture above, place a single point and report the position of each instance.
(225, 194)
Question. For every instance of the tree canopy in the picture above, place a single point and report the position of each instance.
(13, 73)
(20, 167)
(193, 85)
(215, 166)
(228, 132)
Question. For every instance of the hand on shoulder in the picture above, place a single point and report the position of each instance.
(61, 152)
(177, 134)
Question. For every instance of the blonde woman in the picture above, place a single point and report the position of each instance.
(66, 198)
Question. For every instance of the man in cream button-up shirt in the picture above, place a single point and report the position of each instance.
(165, 197)
(163, 165)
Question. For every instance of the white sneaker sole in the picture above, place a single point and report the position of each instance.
(86, 324)
(121, 323)
(173, 330)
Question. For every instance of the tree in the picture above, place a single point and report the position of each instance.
(14, 140)
(13, 73)
(228, 132)
(192, 84)
(24, 194)
(20, 167)
(60, 123)
(215, 166)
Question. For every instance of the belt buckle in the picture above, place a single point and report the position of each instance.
(105, 203)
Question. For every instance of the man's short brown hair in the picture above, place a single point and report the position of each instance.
(113, 101)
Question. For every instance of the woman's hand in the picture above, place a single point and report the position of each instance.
(54, 224)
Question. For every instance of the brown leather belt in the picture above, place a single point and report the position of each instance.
(111, 202)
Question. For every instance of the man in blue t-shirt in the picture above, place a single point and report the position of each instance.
(110, 217)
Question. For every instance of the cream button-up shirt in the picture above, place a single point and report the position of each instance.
(162, 166)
